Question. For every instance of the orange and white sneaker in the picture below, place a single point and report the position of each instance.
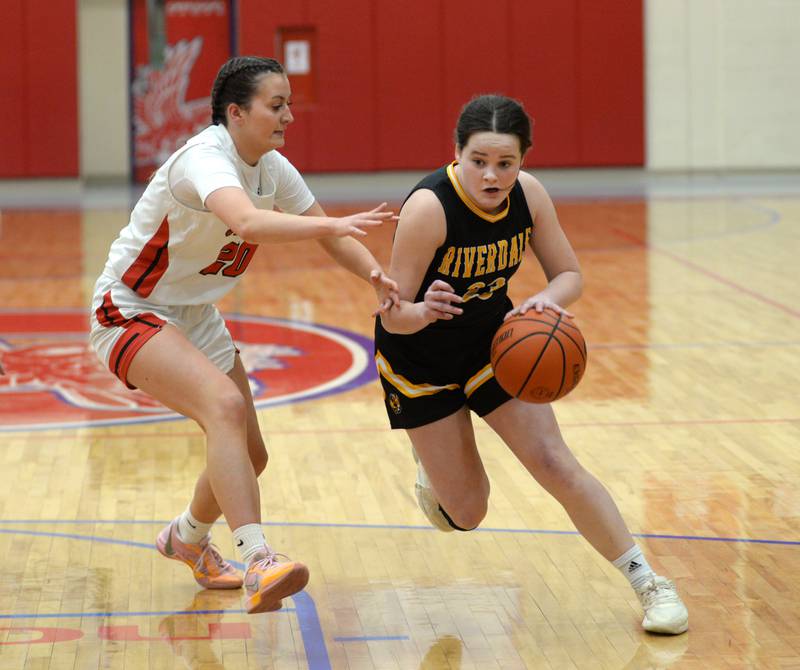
(210, 570)
(268, 579)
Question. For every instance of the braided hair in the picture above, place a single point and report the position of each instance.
(495, 114)
(236, 83)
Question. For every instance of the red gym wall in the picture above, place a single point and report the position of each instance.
(39, 93)
(389, 77)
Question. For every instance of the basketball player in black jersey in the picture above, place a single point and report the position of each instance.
(462, 234)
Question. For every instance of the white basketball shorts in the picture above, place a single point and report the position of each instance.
(121, 322)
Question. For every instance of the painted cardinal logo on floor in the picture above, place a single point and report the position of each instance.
(54, 380)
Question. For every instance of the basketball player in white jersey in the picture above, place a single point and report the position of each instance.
(190, 239)
(461, 236)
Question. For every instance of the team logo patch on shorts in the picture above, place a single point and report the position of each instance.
(394, 403)
(54, 380)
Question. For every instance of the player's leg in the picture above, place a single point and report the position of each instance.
(204, 506)
(269, 576)
(452, 472)
(532, 433)
(174, 371)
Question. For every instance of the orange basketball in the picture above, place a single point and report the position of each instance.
(538, 357)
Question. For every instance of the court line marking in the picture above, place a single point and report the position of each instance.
(371, 638)
(360, 372)
(706, 272)
(307, 617)
(364, 526)
(160, 435)
(84, 615)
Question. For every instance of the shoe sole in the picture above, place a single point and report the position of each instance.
(436, 518)
(663, 630)
(269, 600)
(160, 546)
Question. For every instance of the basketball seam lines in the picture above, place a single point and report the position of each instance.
(539, 357)
(575, 342)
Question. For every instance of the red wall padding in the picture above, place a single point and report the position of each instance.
(391, 77)
(39, 94)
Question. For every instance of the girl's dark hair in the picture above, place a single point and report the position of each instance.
(495, 114)
(236, 82)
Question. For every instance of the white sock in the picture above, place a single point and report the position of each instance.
(190, 529)
(249, 540)
(635, 567)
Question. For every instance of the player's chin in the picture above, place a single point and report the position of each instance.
(492, 199)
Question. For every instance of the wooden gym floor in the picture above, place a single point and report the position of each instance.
(689, 413)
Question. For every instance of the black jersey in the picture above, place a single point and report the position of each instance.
(431, 373)
(480, 253)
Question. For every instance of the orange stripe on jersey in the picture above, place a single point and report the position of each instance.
(138, 330)
(143, 275)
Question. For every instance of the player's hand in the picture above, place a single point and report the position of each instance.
(438, 301)
(359, 224)
(538, 304)
(387, 290)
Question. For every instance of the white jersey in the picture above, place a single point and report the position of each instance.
(176, 252)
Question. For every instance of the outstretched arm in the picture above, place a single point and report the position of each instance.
(355, 257)
(257, 226)
(421, 230)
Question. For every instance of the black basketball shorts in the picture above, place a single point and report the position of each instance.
(429, 375)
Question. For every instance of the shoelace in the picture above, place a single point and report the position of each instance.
(272, 557)
(212, 550)
(662, 590)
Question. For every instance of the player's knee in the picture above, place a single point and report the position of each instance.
(556, 466)
(467, 516)
(229, 406)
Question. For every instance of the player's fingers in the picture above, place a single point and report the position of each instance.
(384, 307)
(440, 285)
(445, 307)
(442, 297)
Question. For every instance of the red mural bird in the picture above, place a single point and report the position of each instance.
(163, 119)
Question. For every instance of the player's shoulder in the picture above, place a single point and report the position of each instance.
(534, 190)
(207, 144)
(529, 182)
(423, 202)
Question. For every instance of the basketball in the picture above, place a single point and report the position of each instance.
(538, 357)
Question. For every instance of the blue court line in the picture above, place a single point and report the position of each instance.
(376, 526)
(308, 618)
(371, 638)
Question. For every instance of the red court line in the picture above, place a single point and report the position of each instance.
(708, 273)
(727, 282)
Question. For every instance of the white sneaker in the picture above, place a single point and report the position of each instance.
(427, 500)
(664, 611)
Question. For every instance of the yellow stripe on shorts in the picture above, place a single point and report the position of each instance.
(407, 388)
(483, 375)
